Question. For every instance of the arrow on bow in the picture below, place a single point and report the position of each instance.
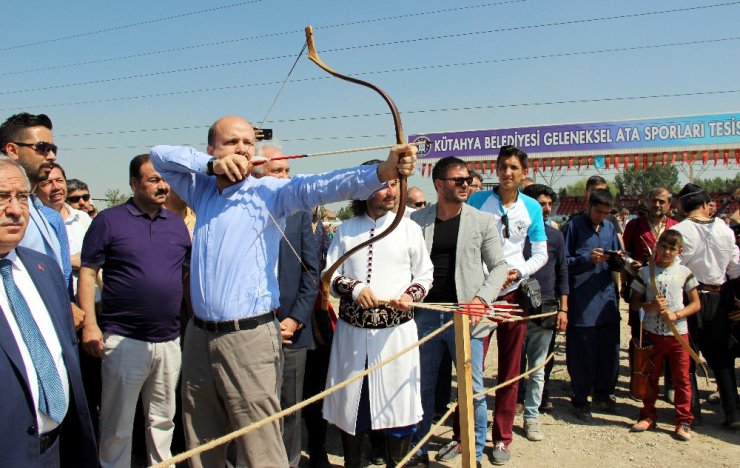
(400, 139)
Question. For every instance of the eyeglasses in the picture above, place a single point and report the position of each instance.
(76, 198)
(22, 198)
(40, 147)
(459, 181)
(505, 222)
(419, 204)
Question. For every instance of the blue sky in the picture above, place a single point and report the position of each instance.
(428, 55)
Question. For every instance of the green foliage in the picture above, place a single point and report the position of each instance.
(637, 182)
(720, 185)
(344, 213)
(578, 189)
(114, 197)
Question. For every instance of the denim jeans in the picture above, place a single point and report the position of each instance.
(536, 344)
(430, 355)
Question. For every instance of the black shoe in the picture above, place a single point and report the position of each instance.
(317, 458)
(546, 407)
(419, 459)
(583, 413)
(731, 422)
(605, 405)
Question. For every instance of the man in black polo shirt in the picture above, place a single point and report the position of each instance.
(142, 249)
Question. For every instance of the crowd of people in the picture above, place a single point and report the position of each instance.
(199, 301)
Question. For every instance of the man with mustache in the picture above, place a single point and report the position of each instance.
(375, 288)
(27, 138)
(46, 423)
(144, 251)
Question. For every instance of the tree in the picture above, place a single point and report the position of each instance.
(114, 197)
(344, 213)
(720, 185)
(637, 182)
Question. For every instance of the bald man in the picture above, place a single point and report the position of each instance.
(232, 360)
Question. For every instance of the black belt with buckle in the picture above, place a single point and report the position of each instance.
(46, 440)
(231, 326)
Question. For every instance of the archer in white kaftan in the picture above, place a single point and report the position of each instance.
(396, 265)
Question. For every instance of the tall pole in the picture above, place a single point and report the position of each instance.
(463, 365)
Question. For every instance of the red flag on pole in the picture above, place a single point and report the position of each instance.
(616, 161)
(716, 156)
(704, 157)
(664, 160)
(607, 161)
(685, 157)
(477, 165)
(570, 162)
(637, 161)
(726, 157)
(536, 164)
(673, 158)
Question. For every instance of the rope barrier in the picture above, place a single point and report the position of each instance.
(454, 406)
(258, 424)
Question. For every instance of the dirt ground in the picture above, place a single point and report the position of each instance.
(607, 441)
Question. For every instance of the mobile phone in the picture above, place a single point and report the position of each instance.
(613, 253)
(263, 133)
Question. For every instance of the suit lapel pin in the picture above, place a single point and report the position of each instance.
(41, 267)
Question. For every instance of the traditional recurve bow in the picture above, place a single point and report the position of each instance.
(400, 139)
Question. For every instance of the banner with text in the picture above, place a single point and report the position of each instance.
(595, 137)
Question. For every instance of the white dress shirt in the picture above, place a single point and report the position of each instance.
(709, 251)
(41, 315)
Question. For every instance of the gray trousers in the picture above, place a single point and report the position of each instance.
(230, 380)
(291, 393)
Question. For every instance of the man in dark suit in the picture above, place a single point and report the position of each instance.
(46, 422)
(298, 273)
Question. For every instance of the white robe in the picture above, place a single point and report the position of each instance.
(397, 261)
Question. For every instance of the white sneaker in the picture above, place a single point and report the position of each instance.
(532, 428)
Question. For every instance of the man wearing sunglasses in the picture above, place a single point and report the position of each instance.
(460, 239)
(78, 195)
(27, 138)
(519, 218)
(415, 199)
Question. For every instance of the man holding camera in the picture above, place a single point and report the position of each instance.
(592, 336)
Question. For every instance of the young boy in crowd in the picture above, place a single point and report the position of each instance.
(673, 280)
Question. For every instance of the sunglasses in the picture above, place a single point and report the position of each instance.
(459, 181)
(419, 204)
(76, 198)
(40, 147)
(505, 222)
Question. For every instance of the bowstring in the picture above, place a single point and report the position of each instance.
(254, 190)
(282, 85)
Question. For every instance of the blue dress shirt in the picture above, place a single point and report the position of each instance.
(47, 234)
(236, 242)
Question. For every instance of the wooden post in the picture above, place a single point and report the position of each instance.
(463, 366)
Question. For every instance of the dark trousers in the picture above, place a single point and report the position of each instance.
(314, 382)
(291, 393)
(510, 339)
(711, 330)
(592, 356)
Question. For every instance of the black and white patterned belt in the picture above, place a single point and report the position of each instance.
(380, 317)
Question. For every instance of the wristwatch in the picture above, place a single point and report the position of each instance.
(209, 166)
